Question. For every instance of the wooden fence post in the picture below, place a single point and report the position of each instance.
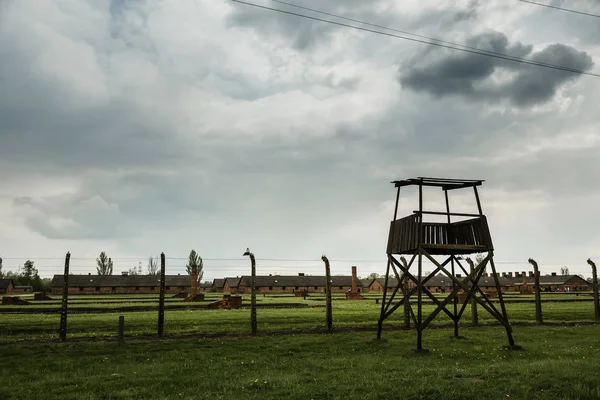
(538, 298)
(474, 315)
(595, 290)
(121, 328)
(65, 300)
(161, 300)
(252, 292)
(328, 311)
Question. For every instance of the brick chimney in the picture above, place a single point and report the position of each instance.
(510, 275)
(554, 274)
(531, 274)
(354, 280)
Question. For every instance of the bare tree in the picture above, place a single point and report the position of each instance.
(564, 271)
(1, 274)
(132, 271)
(479, 258)
(105, 265)
(152, 265)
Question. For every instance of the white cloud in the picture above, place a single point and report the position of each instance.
(158, 126)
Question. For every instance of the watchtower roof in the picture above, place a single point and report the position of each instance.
(444, 183)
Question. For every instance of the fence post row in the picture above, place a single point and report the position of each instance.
(329, 316)
(328, 311)
(65, 300)
(161, 301)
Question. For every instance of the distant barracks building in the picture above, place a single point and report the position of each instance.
(288, 284)
(122, 284)
(131, 284)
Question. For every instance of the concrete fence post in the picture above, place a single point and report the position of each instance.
(595, 290)
(65, 300)
(538, 298)
(328, 311)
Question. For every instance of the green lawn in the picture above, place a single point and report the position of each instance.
(346, 314)
(555, 363)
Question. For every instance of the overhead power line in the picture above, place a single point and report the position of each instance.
(557, 8)
(401, 31)
(429, 41)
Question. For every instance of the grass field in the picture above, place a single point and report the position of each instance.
(555, 363)
(210, 353)
(24, 325)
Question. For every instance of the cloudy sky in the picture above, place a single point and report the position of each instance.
(137, 127)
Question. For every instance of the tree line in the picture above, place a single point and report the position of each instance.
(26, 276)
(29, 275)
(105, 265)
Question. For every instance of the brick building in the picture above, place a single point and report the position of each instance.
(288, 284)
(218, 285)
(23, 289)
(553, 282)
(442, 284)
(6, 286)
(122, 284)
(231, 285)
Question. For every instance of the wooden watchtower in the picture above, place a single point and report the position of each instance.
(443, 244)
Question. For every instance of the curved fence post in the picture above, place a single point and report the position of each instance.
(328, 312)
(538, 298)
(252, 291)
(65, 300)
(595, 290)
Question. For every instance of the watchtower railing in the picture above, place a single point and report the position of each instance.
(467, 236)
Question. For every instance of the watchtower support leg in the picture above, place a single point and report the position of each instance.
(511, 341)
(419, 302)
(382, 314)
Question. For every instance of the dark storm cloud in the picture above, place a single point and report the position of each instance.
(469, 74)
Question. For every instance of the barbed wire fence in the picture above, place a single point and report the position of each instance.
(160, 310)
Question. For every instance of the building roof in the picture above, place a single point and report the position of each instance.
(293, 281)
(5, 283)
(444, 183)
(218, 283)
(553, 280)
(121, 281)
(366, 282)
(205, 284)
(232, 282)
